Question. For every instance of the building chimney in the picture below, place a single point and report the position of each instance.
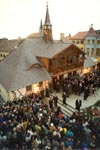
(62, 36)
(91, 25)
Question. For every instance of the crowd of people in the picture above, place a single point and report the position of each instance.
(31, 124)
(77, 83)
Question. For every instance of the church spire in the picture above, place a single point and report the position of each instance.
(47, 18)
(47, 31)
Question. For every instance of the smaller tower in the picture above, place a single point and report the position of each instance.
(47, 31)
(41, 29)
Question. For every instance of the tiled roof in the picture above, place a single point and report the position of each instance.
(84, 34)
(9, 45)
(91, 32)
(45, 49)
(79, 36)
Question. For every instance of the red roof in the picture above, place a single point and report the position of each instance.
(91, 32)
(83, 35)
(80, 35)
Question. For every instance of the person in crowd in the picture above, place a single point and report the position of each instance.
(51, 103)
(55, 100)
(47, 92)
(93, 142)
(57, 86)
(64, 98)
(42, 93)
(78, 104)
(86, 92)
(80, 88)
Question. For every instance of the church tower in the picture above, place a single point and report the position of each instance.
(47, 31)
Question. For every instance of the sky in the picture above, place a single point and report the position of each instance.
(19, 18)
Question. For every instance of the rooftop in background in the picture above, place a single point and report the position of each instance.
(9, 45)
(83, 34)
(79, 35)
(33, 35)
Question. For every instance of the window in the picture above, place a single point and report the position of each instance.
(88, 41)
(29, 88)
(71, 59)
(93, 41)
(40, 84)
(59, 62)
(80, 57)
(77, 42)
(87, 51)
(50, 62)
(98, 41)
(92, 52)
(50, 65)
(67, 60)
(98, 52)
(82, 42)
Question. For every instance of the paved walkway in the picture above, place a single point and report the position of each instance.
(91, 100)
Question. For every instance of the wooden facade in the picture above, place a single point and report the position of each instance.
(68, 60)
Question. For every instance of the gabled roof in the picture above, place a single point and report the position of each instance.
(22, 68)
(79, 36)
(91, 32)
(9, 45)
(84, 34)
